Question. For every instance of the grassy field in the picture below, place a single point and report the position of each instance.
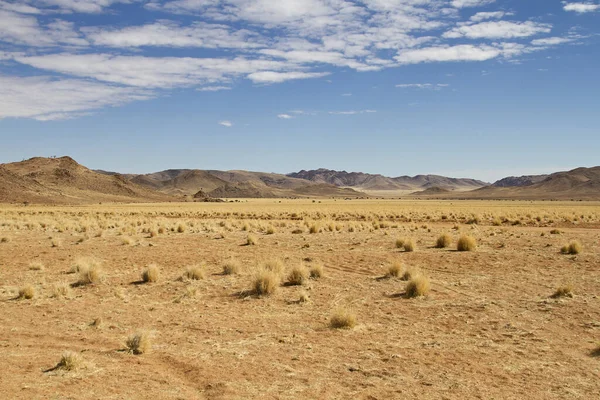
(273, 299)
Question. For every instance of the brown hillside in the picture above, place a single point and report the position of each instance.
(64, 181)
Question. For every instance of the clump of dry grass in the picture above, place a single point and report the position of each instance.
(97, 322)
(251, 240)
(314, 228)
(56, 242)
(265, 282)
(316, 271)
(139, 343)
(573, 247)
(555, 232)
(274, 265)
(304, 298)
(394, 270)
(231, 267)
(298, 275)
(563, 291)
(409, 273)
(181, 227)
(90, 271)
(342, 318)
(61, 290)
(409, 245)
(36, 266)
(194, 272)
(26, 292)
(466, 243)
(151, 273)
(418, 285)
(70, 361)
(4, 239)
(127, 241)
(270, 230)
(443, 241)
(400, 243)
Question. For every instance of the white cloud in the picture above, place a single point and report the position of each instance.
(471, 3)
(482, 16)
(346, 94)
(213, 88)
(20, 29)
(45, 98)
(498, 30)
(19, 8)
(285, 116)
(464, 52)
(551, 41)
(82, 6)
(227, 124)
(278, 77)
(352, 112)
(171, 34)
(428, 86)
(581, 7)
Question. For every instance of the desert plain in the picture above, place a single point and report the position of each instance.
(515, 317)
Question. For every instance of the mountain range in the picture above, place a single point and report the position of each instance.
(63, 181)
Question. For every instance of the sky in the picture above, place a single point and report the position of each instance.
(464, 88)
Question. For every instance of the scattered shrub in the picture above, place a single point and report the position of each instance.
(61, 290)
(26, 292)
(394, 269)
(231, 267)
(409, 245)
(5, 239)
(572, 248)
(70, 361)
(139, 343)
(400, 243)
(90, 271)
(151, 273)
(443, 241)
(417, 286)
(194, 272)
(316, 271)
(563, 291)
(36, 266)
(251, 240)
(274, 265)
(342, 318)
(265, 282)
(466, 243)
(298, 275)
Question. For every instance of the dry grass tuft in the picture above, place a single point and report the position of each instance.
(409, 245)
(90, 271)
(5, 239)
(274, 265)
(563, 291)
(70, 361)
(394, 269)
(418, 286)
(26, 292)
(298, 275)
(265, 282)
(410, 273)
(342, 318)
(400, 243)
(139, 343)
(61, 290)
(466, 243)
(251, 240)
(36, 266)
(304, 298)
(443, 241)
(194, 272)
(231, 267)
(572, 248)
(316, 271)
(151, 274)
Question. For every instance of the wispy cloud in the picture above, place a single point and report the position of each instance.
(352, 112)
(285, 116)
(227, 124)
(428, 86)
(581, 7)
(213, 88)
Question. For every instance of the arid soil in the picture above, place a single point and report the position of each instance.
(489, 328)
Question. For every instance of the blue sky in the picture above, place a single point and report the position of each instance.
(465, 88)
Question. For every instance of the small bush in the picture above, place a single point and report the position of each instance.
(90, 271)
(342, 318)
(409, 273)
(265, 282)
(394, 269)
(445, 240)
(194, 272)
(304, 298)
(563, 291)
(274, 265)
(251, 240)
(61, 290)
(231, 267)
(26, 292)
(5, 239)
(181, 227)
(314, 228)
(298, 275)
(70, 361)
(466, 243)
(418, 286)
(316, 271)
(36, 266)
(151, 273)
(409, 245)
(297, 231)
(139, 343)
(270, 230)
(400, 243)
(555, 232)
(572, 248)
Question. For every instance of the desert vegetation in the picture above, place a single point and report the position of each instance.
(293, 285)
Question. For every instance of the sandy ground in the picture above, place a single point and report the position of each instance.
(489, 328)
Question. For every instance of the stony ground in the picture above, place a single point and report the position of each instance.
(489, 328)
